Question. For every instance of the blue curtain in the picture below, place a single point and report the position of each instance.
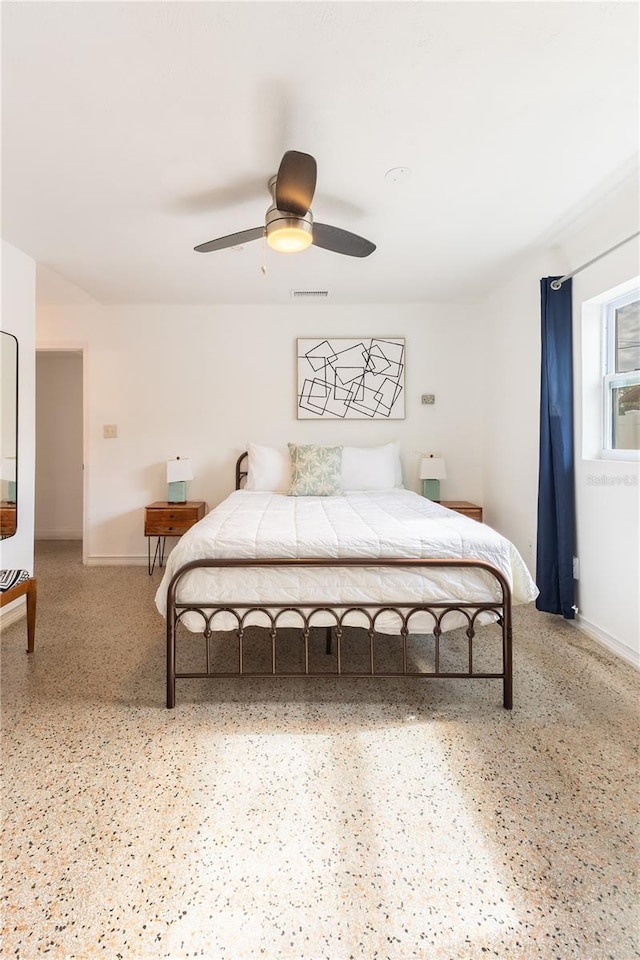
(556, 499)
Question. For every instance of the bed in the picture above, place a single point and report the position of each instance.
(384, 561)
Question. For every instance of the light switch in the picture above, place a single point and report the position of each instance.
(109, 431)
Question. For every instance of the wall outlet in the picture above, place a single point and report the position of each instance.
(109, 431)
(428, 398)
(576, 568)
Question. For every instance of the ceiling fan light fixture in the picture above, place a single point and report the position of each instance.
(289, 234)
(289, 225)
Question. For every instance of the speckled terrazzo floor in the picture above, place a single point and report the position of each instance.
(308, 819)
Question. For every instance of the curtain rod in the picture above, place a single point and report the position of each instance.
(556, 284)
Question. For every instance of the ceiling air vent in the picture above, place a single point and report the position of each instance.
(309, 294)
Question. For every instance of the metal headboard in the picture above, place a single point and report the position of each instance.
(241, 471)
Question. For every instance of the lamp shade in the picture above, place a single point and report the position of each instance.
(433, 468)
(179, 470)
(289, 236)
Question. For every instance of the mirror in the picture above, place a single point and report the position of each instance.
(8, 434)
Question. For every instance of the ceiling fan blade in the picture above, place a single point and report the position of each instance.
(341, 241)
(232, 240)
(296, 182)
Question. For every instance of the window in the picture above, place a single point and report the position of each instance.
(621, 379)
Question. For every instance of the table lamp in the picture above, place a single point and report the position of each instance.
(178, 472)
(432, 471)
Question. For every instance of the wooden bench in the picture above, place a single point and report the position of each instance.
(15, 584)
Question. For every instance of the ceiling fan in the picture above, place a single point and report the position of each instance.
(289, 225)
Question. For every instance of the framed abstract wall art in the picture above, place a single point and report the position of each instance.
(351, 379)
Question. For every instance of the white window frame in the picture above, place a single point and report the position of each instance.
(612, 380)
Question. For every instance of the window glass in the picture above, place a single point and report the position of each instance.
(621, 381)
(627, 337)
(626, 418)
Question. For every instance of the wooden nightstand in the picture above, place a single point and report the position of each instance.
(8, 516)
(163, 519)
(464, 507)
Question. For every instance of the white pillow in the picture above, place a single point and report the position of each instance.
(371, 468)
(269, 468)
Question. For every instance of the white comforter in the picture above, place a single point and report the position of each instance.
(395, 523)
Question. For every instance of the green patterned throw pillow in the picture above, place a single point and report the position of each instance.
(315, 471)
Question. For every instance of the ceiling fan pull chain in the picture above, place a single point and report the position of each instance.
(263, 266)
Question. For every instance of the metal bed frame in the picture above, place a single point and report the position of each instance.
(273, 611)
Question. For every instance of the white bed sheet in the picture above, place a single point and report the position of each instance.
(394, 523)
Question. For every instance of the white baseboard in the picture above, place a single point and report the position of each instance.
(58, 535)
(596, 633)
(116, 561)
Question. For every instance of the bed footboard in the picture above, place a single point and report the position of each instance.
(498, 610)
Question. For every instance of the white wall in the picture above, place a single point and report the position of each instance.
(607, 524)
(18, 317)
(59, 419)
(201, 382)
(607, 491)
(511, 422)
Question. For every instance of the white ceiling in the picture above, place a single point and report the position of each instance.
(133, 131)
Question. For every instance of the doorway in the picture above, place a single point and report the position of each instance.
(59, 474)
